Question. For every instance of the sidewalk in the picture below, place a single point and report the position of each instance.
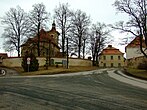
(127, 79)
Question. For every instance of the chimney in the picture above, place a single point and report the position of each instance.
(110, 46)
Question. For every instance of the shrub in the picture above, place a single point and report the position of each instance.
(143, 65)
(33, 66)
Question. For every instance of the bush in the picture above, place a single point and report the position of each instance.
(143, 65)
(33, 66)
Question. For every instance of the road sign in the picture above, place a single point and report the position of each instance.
(28, 60)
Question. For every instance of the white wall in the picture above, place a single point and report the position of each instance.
(133, 53)
(16, 62)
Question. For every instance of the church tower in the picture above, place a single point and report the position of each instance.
(53, 26)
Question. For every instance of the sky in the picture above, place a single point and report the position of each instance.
(99, 11)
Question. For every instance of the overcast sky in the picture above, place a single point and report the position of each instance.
(99, 10)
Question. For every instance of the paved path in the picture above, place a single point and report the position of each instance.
(94, 90)
(119, 75)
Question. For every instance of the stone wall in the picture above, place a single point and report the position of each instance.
(12, 62)
(16, 62)
(134, 62)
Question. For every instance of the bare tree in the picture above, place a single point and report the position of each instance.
(38, 17)
(98, 39)
(63, 16)
(136, 25)
(85, 44)
(17, 25)
(80, 24)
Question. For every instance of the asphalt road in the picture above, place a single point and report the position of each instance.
(96, 91)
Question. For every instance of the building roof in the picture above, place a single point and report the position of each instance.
(54, 28)
(111, 51)
(45, 36)
(135, 43)
(3, 55)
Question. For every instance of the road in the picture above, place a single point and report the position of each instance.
(82, 91)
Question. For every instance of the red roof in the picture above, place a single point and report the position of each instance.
(111, 51)
(4, 55)
(44, 37)
(136, 43)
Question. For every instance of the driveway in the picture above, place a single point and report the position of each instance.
(95, 90)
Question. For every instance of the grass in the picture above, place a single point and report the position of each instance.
(54, 70)
(137, 73)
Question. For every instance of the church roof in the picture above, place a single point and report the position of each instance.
(54, 28)
(45, 36)
(111, 51)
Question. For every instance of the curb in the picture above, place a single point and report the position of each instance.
(120, 76)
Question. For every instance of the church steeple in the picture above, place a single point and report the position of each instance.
(54, 25)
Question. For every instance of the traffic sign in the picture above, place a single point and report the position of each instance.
(28, 60)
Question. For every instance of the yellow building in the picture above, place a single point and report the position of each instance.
(48, 42)
(111, 57)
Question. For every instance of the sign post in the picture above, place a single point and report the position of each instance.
(28, 62)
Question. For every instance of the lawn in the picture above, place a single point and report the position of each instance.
(54, 70)
(137, 73)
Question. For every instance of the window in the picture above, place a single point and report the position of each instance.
(52, 35)
(111, 57)
(104, 57)
(111, 64)
(118, 57)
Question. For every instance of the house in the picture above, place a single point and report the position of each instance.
(133, 48)
(134, 57)
(48, 43)
(111, 57)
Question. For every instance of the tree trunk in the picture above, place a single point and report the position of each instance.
(93, 61)
(49, 52)
(38, 45)
(18, 42)
(84, 49)
(141, 47)
(79, 51)
(63, 42)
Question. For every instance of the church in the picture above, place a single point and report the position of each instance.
(48, 43)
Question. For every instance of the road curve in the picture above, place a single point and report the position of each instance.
(118, 75)
(94, 90)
